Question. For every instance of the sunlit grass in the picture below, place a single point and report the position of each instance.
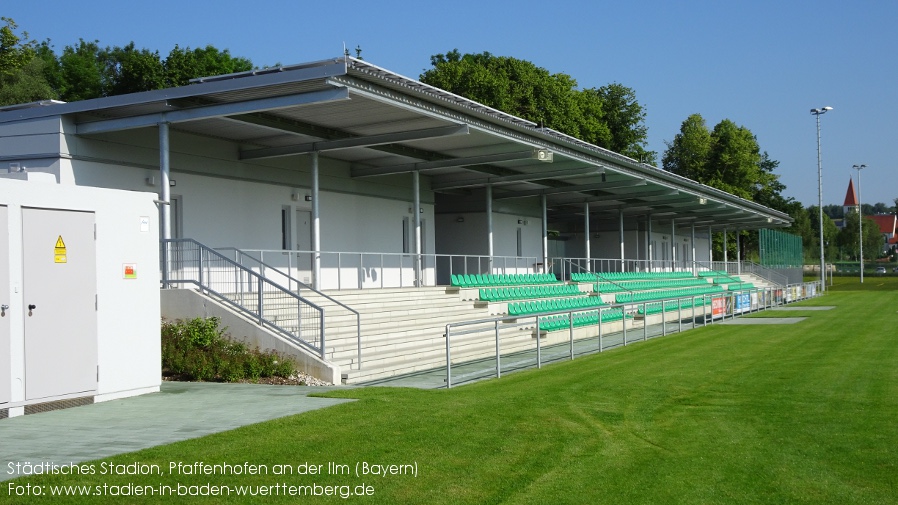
(803, 413)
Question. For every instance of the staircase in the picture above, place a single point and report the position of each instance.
(402, 329)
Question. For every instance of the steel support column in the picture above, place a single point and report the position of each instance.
(165, 199)
(416, 212)
(648, 242)
(738, 254)
(586, 235)
(673, 245)
(545, 236)
(316, 228)
(489, 225)
(692, 240)
(620, 227)
(710, 247)
(725, 256)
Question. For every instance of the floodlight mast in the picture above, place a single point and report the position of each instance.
(817, 113)
(860, 219)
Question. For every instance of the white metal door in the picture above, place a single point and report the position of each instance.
(5, 363)
(60, 287)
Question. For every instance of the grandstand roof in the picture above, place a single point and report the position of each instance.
(382, 123)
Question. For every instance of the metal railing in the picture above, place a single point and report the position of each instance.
(489, 347)
(361, 270)
(765, 273)
(266, 302)
(283, 277)
(564, 267)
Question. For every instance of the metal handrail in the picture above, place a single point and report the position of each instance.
(243, 277)
(765, 273)
(241, 255)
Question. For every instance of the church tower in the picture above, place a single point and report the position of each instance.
(850, 199)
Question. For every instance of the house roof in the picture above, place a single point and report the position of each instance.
(382, 123)
(886, 222)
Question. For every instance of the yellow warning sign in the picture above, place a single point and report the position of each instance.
(59, 251)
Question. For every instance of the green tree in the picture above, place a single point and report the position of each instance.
(625, 118)
(688, 153)
(185, 64)
(15, 51)
(26, 84)
(130, 70)
(22, 77)
(830, 235)
(849, 238)
(81, 72)
(727, 158)
(608, 116)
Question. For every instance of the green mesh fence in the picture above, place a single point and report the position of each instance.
(780, 249)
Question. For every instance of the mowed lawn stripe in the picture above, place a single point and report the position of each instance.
(802, 413)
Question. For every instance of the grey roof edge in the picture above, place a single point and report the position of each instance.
(294, 73)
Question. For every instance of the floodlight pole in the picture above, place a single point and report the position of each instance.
(817, 113)
(860, 218)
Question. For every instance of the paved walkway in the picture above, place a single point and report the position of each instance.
(180, 411)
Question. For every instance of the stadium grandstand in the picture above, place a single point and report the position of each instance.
(349, 215)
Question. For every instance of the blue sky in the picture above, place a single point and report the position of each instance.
(762, 64)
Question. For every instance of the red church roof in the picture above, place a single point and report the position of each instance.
(851, 196)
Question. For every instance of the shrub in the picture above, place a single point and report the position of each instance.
(197, 349)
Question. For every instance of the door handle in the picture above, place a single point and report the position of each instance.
(3, 309)
(31, 307)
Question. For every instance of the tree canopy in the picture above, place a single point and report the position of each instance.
(608, 116)
(727, 158)
(31, 71)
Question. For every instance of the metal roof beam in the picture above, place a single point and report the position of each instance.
(507, 179)
(448, 163)
(364, 141)
(632, 197)
(575, 189)
(211, 111)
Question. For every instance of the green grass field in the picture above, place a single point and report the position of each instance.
(803, 413)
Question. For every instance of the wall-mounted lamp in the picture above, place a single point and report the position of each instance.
(151, 181)
(421, 210)
(544, 155)
(460, 219)
(702, 201)
(308, 198)
(172, 183)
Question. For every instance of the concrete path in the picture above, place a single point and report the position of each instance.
(182, 410)
(803, 308)
(764, 320)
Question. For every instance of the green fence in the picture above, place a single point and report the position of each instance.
(780, 249)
